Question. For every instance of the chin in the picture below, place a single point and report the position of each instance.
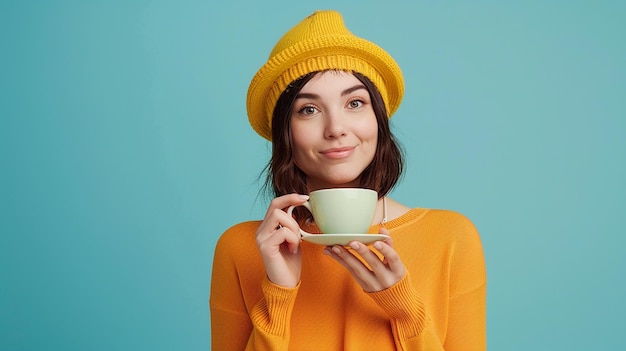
(339, 182)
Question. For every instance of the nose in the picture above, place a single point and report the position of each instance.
(334, 125)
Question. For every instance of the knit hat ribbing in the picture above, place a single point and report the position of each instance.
(320, 42)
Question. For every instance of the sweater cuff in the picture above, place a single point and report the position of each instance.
(405, 307)
(273, 313)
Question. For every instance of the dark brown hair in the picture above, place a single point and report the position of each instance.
(284, 177)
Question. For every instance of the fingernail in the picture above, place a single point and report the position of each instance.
(304, 197)
(354, 245)
(378, 245)
(326, 252)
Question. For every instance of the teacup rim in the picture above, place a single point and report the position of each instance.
(343, 189)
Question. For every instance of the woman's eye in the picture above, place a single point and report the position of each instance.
(355, 103)
(308, 110)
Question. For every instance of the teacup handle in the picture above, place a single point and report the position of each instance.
(308, 207)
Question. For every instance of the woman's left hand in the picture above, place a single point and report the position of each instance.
(381, 274)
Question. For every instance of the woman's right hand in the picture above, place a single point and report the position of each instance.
(278, 239)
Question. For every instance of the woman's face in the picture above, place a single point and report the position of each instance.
(334, 130)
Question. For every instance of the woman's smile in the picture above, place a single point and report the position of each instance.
(338, 153)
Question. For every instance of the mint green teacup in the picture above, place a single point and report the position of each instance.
(342, 210)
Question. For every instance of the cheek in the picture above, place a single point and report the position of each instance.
(369, 136)
(369, 130)
(300, 142)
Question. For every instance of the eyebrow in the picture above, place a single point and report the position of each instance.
(343, 93)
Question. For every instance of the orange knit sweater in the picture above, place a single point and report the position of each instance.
(438, 305)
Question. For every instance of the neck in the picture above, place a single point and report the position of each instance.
(381, 216)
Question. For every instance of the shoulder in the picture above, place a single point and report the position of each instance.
(463, 241)
(440, 228)
(238, 238)
(239, 228)
(451, 220)
(454, 226)
(436, 220)
(237, 264)
(467, 259)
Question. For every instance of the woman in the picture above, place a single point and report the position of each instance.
(323, 99)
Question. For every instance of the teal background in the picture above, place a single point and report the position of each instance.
(125, 152)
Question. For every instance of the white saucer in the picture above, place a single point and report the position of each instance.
(343, 239)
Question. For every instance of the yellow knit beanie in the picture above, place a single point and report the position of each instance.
(320, 42)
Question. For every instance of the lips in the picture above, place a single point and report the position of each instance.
(339, 152)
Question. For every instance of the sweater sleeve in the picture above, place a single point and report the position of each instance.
(410, 324)
(230, 322)
(271, 318)
(466, 329)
